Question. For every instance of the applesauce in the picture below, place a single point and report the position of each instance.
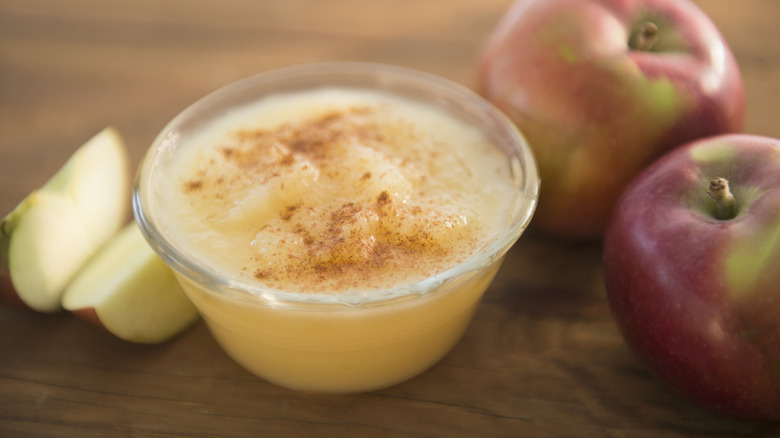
(337, 225)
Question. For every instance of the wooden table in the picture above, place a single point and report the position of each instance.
(543, 357)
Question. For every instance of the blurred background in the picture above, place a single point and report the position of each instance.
(70, 68)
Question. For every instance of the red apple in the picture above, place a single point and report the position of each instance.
(600, 88)
(693, 272)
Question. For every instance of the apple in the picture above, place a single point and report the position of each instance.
(692, 272)
(600, 88)
(46, 239)
(129, 291)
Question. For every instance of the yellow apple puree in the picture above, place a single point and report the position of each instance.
(341, 349)
(328, 202)
(337, 190)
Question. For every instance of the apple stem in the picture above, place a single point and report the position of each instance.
(720, 192)
(644, 37)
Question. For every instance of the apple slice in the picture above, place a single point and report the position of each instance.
(130, 292)
(47, 245)
(53, 231)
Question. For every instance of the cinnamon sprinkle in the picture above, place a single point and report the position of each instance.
(362, 241)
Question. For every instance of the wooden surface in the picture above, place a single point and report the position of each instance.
(543, 357)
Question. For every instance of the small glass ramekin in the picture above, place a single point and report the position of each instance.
(333, 343)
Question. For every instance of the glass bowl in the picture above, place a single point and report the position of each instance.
(352, 342)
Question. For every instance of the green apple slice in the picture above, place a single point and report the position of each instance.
(129, 291)
(53, 231)
(48, 245)
(97, 181)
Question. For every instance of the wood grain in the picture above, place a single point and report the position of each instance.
(543, 357)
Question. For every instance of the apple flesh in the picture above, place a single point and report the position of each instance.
(600, 88)
(692, 268)
(46, 239)
(129, 291)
